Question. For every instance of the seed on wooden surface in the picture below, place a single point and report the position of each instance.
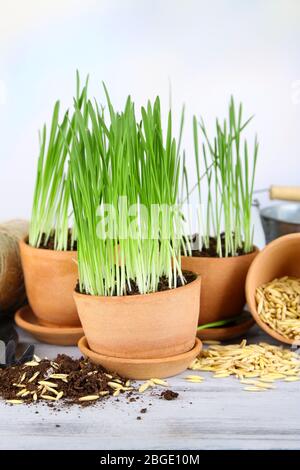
(192, 377)
(128, 383)
(59, 395)
(48, 397)
(31, 364)
(144, 387)
(35, 397)
(63, 377)
(222, 375)
(33, 377)
(163, 383)
(254, 389)
(104, 393)
(194, 381)
(21, 392)
(109, 376)
(36, 358)
(114, 385)
(46, 383)
(58, 376)
(116, 393)
(263, 385)
(15, 402)
(247, 382)
(19, 385)
(23, 377)
(292, 379)
(51, 390)
(88, 398)
(266, 379)
(251, 374)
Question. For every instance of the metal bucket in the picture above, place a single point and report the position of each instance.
(280, 219)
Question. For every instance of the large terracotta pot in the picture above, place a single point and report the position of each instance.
(279, 258)
(157, 325)
(223, 284)
(50, 278)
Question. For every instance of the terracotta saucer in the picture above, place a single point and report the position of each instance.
(64, 336)
(141, 369)
(225, 333)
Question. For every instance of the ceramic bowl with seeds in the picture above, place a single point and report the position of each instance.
(278, 305)
(272, 287)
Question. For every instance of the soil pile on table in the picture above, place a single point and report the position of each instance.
(65, 380)
(169, 395)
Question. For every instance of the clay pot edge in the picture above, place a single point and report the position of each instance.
(224, 259)
(45, 252)
(138, 297)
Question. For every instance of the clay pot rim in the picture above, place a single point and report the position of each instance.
(292, 237)
(36, 328)
(138, 297)
(228, 259)
(84, 346)
(45, 251)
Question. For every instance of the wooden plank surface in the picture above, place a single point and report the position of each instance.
(216, 414)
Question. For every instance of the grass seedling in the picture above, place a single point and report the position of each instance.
(229, 183)
(51, 208)
(117, 161)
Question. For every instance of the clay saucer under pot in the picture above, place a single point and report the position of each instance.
(142, 369)
(279, 258)
(224, 333)
(51, 334)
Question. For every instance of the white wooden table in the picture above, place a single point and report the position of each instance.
(216, 414)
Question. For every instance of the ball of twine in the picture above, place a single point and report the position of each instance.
(12, 289)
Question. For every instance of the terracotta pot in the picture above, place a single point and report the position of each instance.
(223, 284)
(147, 326)
(50, 278)
(279, 258)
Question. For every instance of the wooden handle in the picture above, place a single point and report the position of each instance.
(286, 193)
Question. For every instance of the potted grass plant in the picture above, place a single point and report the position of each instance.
(224, 246)
(49, 254)
(133, 299)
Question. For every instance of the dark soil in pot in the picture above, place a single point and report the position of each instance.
(163, 284)
(49, 245)
(211, 251)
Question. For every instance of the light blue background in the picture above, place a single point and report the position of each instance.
(206, 49)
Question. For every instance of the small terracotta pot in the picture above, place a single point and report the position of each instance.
(279, 258)
(148, 326)
(50, 278)
(223, 284)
